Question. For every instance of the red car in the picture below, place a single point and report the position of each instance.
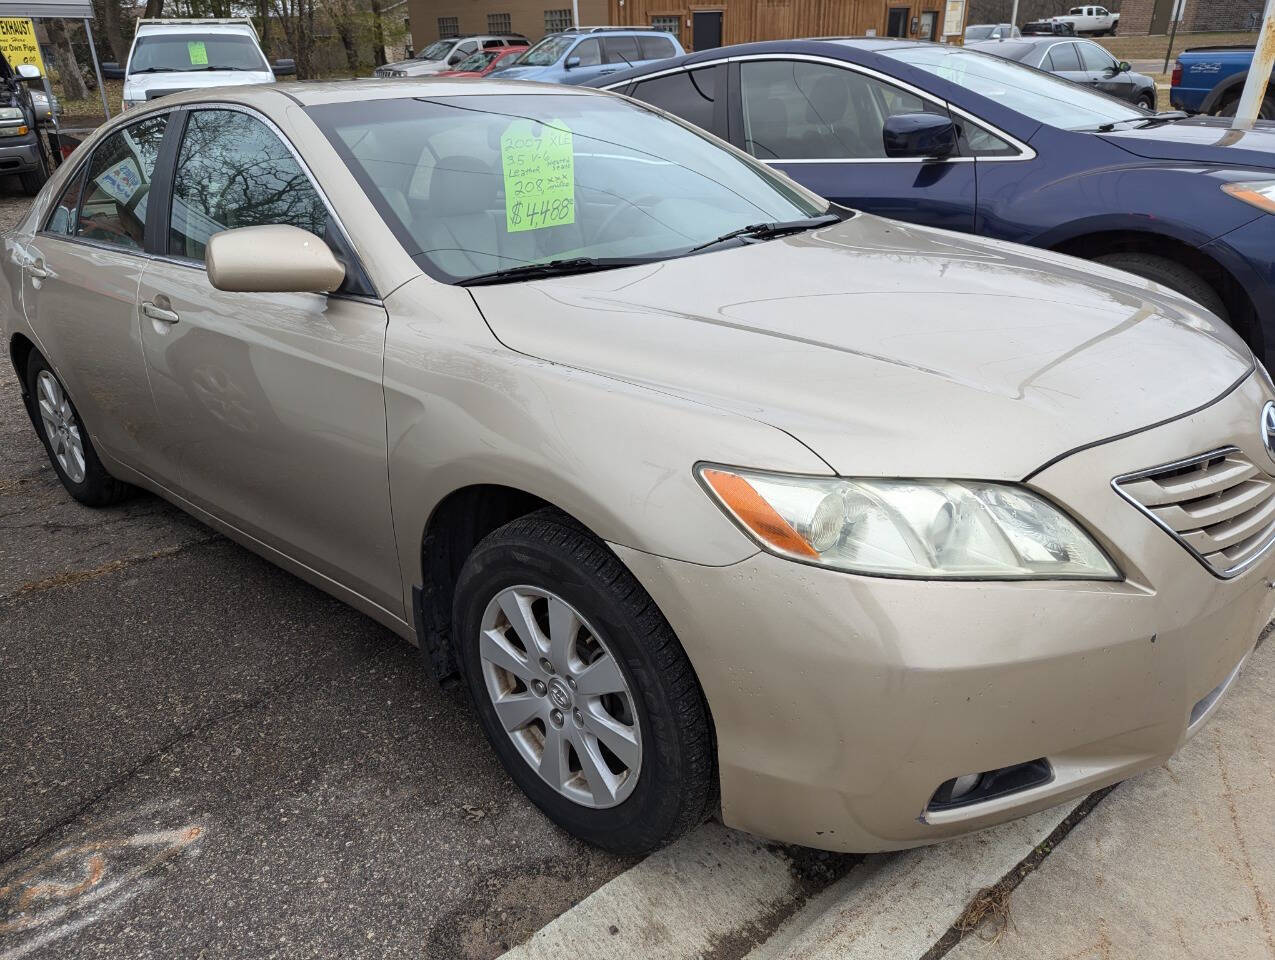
(484, 62)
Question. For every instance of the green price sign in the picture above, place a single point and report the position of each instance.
(540, 181)
(198, 53)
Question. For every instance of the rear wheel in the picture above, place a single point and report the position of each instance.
(582, 688)
(1265, 112)
(67, 442)
(1171, 274)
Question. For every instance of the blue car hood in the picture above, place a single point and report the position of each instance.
(520, 73)
(1201, 140)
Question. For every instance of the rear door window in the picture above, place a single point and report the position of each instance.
(622, 50)
(691, 95)
(113, 205)
(1063, 58)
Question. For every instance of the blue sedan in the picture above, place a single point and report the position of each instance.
(953, 138)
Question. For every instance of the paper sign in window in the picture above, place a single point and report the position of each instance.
(539, 167)
(198, 53)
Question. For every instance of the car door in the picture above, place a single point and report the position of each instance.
(821, 123)
(696, 96)
(80, 281)
(1104, 72)
(585, 62)
(271, 403)
(1064, 59)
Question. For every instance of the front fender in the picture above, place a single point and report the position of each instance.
(463, 409)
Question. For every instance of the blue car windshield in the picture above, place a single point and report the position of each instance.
(547, 52)
(1031, 92)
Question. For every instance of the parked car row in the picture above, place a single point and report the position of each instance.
(951, 137)
(718, 496)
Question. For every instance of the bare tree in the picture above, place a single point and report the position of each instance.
(112, 22)
(378, 34)
(296, 18)
(154, 8)
(73, 85)
(345, 16)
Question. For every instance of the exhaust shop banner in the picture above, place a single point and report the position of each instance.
(17, 40)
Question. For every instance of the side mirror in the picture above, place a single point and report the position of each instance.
(112, 71)
(572, 63)
(28, 72)
(272, 259)
(1124, 66)
(926, 136)
(284, 68)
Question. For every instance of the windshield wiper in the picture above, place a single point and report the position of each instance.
(553, 268)
(764, 231)
(155, 70)
(1169, 116)
(244, 69)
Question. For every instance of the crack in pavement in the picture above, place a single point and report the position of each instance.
(993, 902)
(72, 577)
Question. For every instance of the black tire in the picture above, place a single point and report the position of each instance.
(97, 488)
(1265, 112)
(676, 786)
(1171, 274)
(33, 181)
(1147, 101)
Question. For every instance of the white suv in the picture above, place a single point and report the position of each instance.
(446, 54)
(172, 55)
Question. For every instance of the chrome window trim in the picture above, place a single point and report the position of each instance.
(1024, 151)
(1230, 572)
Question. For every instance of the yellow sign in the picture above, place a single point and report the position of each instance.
(954, 19)
(540, 178)
(17, 40)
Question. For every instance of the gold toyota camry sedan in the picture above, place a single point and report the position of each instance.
(718, 499)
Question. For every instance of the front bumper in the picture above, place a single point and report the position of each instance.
(842, 702)
(19, 155)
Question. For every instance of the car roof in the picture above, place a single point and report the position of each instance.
(313, 93)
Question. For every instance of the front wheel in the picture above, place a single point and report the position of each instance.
(1147, 102)
(1171, 274)
(34, 180)
(582, 688)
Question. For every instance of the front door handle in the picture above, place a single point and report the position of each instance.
(37, 269)
(158, 309)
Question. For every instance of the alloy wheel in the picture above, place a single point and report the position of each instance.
(60, 426)
(560, 695)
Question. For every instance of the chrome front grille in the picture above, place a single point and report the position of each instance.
(1219, 505)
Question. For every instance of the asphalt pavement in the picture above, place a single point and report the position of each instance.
(201, 756)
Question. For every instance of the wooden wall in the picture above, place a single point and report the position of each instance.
(744, 21)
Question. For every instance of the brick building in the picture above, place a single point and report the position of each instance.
(1195, 16)
(697, 23)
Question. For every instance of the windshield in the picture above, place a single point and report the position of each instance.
(545, 53)
(165, 52)
(978, 33)
(436, 50)
(1033, 93)
(475, 184)
(477, 61)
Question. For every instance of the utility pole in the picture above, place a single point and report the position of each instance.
(1259, 73)
(1013, 21)
(575, 13)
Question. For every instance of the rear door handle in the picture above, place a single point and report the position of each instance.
(157, 310)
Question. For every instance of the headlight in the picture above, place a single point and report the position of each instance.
(10, 113)
(1258, 193)
(928, 529)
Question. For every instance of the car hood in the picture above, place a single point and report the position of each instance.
(138, 85)
(519, 73)
(890, 349)
(1201, 140)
